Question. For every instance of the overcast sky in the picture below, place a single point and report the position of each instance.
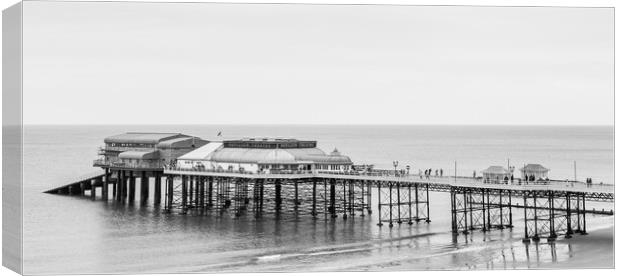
(159, 63)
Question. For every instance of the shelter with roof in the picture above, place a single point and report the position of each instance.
(495, 174)
(532, 172)
(264, 155)
(146, 150)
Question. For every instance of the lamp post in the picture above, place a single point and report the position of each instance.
(395, 163)
(408, 167)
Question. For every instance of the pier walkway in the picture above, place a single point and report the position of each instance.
(594, 192)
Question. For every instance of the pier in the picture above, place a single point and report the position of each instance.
(277, 177)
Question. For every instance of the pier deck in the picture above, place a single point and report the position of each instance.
(597, 192)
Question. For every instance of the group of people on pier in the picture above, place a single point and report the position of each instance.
(429, 172)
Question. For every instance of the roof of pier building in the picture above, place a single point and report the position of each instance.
(160, 140)
(534, 168)
(496, 170)
(274, 151)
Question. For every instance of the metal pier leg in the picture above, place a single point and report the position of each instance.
(325, 208)
(428, 205)
(390, 191)
(369, 199)
(583, 212)
(465, 211)
(114, 185)
(510, 209)
(197, 185)
(157, 199)
(190, 195)
(551, 205)
(525, 207)
(210, 192)
(417, 204)
(344, 198)
(453, 206)
(501, 210)
(379, 203)
(124, 185)
(278, 187)
(93, 190)
(332, 198)
(169, 191)
(202, 193)
(314, 198)
(132, 187)
(362, 185)
(106, 182)
(296, 183)
(398, 202)
(410, 210)
(485, 209)
(144, 188)
(569, 218)
(262, 195)
(536, 237)
(184, 193)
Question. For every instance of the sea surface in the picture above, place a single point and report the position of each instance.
(65, 234)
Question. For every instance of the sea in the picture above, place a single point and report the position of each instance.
(69, 235)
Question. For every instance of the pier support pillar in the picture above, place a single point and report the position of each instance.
(114, 186)
(157, 199)
(93, 188)
(144, 188)
(332, 198)
(314, 198)
(202, 193)
(132, 187)
(210, 192)
(122, 186)
(184, 193)
(169, 192)
(278, 188)
(105, 183)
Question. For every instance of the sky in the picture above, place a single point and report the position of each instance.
(196, 63)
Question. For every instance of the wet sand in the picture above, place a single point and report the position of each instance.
(595, 250)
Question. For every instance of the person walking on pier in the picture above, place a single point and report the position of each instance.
(441, 172)
(420, 173)
(436, 173)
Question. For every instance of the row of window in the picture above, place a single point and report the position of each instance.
(131, 145)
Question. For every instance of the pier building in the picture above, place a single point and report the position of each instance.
(534, 172)
(145, 150)
(264, 155)
(495, 174)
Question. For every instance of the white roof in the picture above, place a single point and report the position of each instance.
(202, 153)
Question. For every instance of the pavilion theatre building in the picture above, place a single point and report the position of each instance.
(264, 155)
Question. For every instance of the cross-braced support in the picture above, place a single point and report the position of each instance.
(402, 202)
(548, 214)
(480, 208)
